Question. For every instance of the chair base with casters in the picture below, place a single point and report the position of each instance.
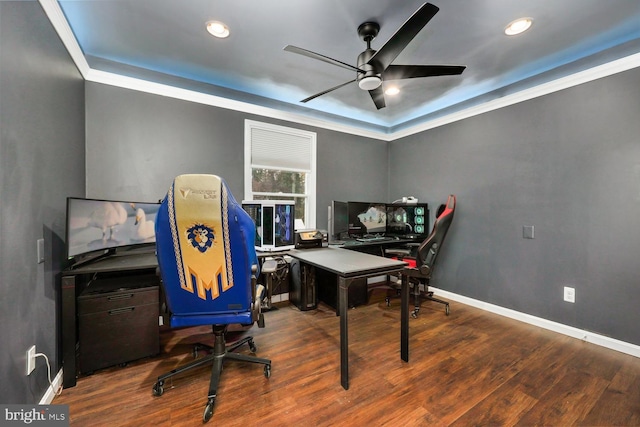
(416, 279)
(219, 353)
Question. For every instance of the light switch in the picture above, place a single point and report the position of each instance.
(527, 232)
(40, 246)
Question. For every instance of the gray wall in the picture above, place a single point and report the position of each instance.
(567, 163)
(138, 142)
(41, 163)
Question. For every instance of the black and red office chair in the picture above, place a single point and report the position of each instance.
(422, 257)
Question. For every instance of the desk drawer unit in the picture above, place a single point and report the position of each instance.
(117, 327)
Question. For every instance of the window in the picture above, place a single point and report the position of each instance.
(280, 164)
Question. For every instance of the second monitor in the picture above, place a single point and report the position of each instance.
(366, 218)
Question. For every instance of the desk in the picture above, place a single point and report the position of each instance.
(349, 265)
(72, 287)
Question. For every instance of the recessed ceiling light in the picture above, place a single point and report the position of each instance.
(392, 90)
(218, 29)
(518, 26)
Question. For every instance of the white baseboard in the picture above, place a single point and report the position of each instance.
(51, 391)
(601, 340)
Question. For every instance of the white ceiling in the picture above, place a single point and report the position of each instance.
(165, 41)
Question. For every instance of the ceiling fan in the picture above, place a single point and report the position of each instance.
(374, 67)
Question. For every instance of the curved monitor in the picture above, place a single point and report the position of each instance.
(100, 225)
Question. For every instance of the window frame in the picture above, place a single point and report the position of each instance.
(310, 179)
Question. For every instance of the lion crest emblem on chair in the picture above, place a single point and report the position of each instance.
(201, 237)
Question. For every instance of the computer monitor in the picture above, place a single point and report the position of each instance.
(409, 221)
(366, 218)
(98, 227)
(338, 221)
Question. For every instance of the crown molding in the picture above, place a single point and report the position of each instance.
(140, 85)
(598, 72)
(59, 22)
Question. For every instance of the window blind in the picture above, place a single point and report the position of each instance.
(280, 150)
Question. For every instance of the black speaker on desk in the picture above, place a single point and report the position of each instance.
(302, 293)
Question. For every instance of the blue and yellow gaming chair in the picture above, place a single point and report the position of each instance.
(208, 267)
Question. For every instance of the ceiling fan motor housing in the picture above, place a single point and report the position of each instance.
(370, 79)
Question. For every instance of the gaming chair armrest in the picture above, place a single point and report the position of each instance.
(399, 252)
(257, 293)
(409, 250)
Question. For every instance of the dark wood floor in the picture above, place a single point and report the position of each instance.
(470, 368)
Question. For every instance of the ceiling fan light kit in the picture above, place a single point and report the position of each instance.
(374, 67)
(369, 83)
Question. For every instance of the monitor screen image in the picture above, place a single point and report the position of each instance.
(284, 225)
(97, 225)
(366, 218)
(408, 220)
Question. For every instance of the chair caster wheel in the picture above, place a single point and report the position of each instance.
(414, 314)
(446, 310)
(158, 388)
(388, 301)
(267, 371)
(252, 346)
(208, 410)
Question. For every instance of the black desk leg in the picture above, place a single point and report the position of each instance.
(404, 319)
(343, 291)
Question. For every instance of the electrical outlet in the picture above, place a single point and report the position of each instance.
(569, 294)
(31, 359)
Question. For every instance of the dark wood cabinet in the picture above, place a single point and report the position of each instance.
(117, 325)
(109, 313)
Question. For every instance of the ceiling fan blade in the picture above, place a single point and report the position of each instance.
(320, 57)
(399, 72)
(377, 95)
(401, 38)
(327, 91)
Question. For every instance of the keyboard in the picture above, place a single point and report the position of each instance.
(374, 239)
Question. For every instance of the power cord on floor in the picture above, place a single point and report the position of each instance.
(57, 392)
